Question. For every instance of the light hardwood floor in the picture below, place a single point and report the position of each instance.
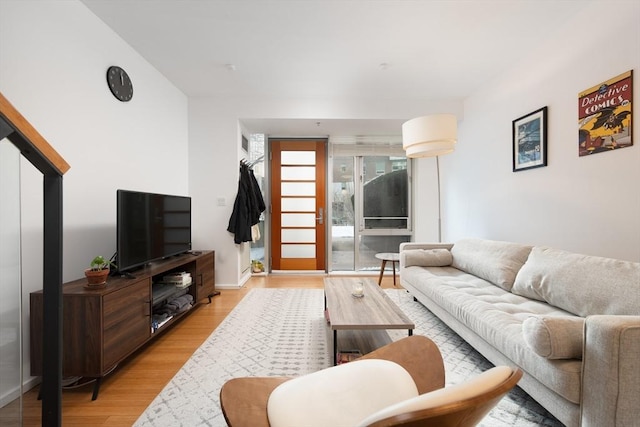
(127, 392)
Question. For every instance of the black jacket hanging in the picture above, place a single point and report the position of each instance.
(247, 207)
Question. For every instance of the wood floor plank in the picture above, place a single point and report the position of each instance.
(126, 392)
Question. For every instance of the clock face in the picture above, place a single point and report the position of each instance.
(119, 83)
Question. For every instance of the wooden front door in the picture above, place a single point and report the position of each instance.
(298, 204)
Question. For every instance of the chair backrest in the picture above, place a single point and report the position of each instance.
(461, 405)
(419, 356)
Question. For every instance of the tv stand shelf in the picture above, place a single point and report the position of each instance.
(102, 327)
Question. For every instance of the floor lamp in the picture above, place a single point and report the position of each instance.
(430, 136)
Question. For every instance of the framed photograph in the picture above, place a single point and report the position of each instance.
(530, 140)
(604, 116)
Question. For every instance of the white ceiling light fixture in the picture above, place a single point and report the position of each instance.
(430, 136)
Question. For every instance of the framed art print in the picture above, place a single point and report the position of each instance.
(530, 140)
(604, 116)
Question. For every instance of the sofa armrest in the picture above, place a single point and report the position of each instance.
(611, 371)
(421, 245)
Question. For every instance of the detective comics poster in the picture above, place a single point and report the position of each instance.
(604, 115)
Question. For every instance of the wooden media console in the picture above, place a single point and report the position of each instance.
(104, 326)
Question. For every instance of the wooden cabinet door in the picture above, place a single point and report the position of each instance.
(205, 276)
(82, 337)
(127, 321)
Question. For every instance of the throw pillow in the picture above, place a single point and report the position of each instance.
(495, 261)
(580, 284)
(427, 257)
(555, 337)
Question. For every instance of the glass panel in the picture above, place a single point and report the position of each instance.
(298, 220)
(256, 156)
(298, 188)
(298, 251)
(343, 215)
(377, 223)
(385, 192)
(369, 193)
(298, 158)
(298, 173)
(298, 204)
(371, 245)
(11, 280)
(297, 235)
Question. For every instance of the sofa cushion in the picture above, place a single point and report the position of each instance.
(555, 337)
(427, 257)
(497, 262)
(580, 284)
(494, 316)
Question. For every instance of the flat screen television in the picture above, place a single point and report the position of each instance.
(150, 227)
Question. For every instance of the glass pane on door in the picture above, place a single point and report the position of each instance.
(343, 215)
(385, 192)
(297, 235)
(298, 188)
(371, 245)
(298, 251)
(298, 158)
(300, 204)
(299, 173)
(298, 220)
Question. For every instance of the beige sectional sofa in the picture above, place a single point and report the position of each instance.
(571, 322)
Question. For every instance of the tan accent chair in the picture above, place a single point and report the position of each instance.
(249, 401)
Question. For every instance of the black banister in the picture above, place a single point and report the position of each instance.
(37, 150)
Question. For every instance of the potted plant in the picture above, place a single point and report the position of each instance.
(257, 266)
(98, 271)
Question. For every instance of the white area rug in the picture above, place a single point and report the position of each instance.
(275, 332)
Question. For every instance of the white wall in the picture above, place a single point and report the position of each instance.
(585, 204)
(53, 61)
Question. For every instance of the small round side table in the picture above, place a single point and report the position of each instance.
(388, 256)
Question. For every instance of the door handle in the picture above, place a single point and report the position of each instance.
(320, 218)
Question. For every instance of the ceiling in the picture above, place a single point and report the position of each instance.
(366, 50)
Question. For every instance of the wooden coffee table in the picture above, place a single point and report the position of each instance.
(362, 321)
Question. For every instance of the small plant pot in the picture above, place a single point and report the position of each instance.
(97, 278)
(257, 267)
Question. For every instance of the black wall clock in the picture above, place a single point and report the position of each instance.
(119, 83)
